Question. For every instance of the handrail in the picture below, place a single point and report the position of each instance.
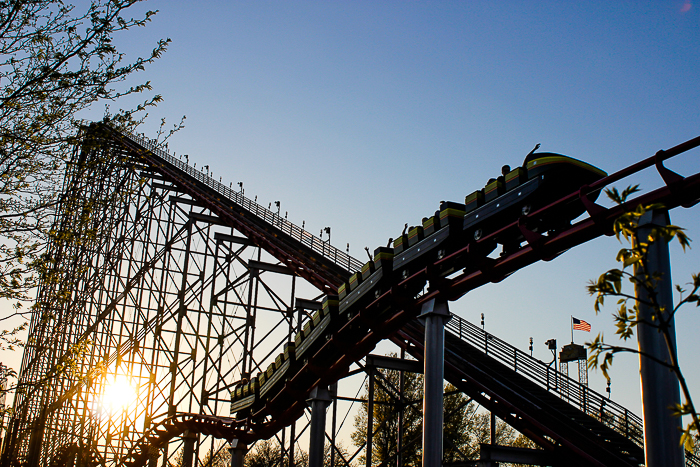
(316, 244)
(573, 392)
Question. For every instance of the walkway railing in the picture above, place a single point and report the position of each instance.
(327, 250)
(580, 396)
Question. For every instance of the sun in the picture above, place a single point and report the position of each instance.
(119, 393)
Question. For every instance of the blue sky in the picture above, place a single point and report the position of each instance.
(363, 115)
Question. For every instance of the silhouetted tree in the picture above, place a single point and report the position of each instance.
(465, 426)
(56, 60)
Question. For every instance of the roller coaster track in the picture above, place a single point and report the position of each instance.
(392, 313)
(317, 261)
(558, 412)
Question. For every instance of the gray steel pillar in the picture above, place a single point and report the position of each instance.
(660, 389)
(318, 400)
(399, 430)
(435, 314)
(238, 451)
(334, 390)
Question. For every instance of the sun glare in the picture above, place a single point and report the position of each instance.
(118, 395)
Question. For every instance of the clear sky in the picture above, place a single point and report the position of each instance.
(363, 115)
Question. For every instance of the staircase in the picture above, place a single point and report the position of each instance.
(557, 412)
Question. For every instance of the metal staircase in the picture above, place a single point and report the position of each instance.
(557, 412)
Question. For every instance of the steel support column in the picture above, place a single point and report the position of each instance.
(436, 315)
(659, 385)
(318, 401)
(334, 390)
(402, 402)
(154, 455)
(238, 451)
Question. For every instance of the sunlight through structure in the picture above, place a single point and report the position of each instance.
(199, 317)
(119, 394)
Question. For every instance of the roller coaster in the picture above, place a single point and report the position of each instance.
(534, 212)
(367, 291)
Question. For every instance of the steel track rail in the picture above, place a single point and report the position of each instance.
(479, 270)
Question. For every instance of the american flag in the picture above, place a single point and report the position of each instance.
(580, 325)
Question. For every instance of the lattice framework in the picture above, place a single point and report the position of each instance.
(149, 286)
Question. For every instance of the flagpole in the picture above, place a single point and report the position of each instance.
(572, 329)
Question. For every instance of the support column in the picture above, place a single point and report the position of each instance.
(435, 314)
(319, 400)
(238, 451)
(188, 448)
(334, 390)
(660, 389)
(399, 430)
(370, 415)
(36, 440)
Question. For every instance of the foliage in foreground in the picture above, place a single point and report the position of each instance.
(54, 63)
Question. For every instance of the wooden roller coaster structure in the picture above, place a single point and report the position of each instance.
(444, 258)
